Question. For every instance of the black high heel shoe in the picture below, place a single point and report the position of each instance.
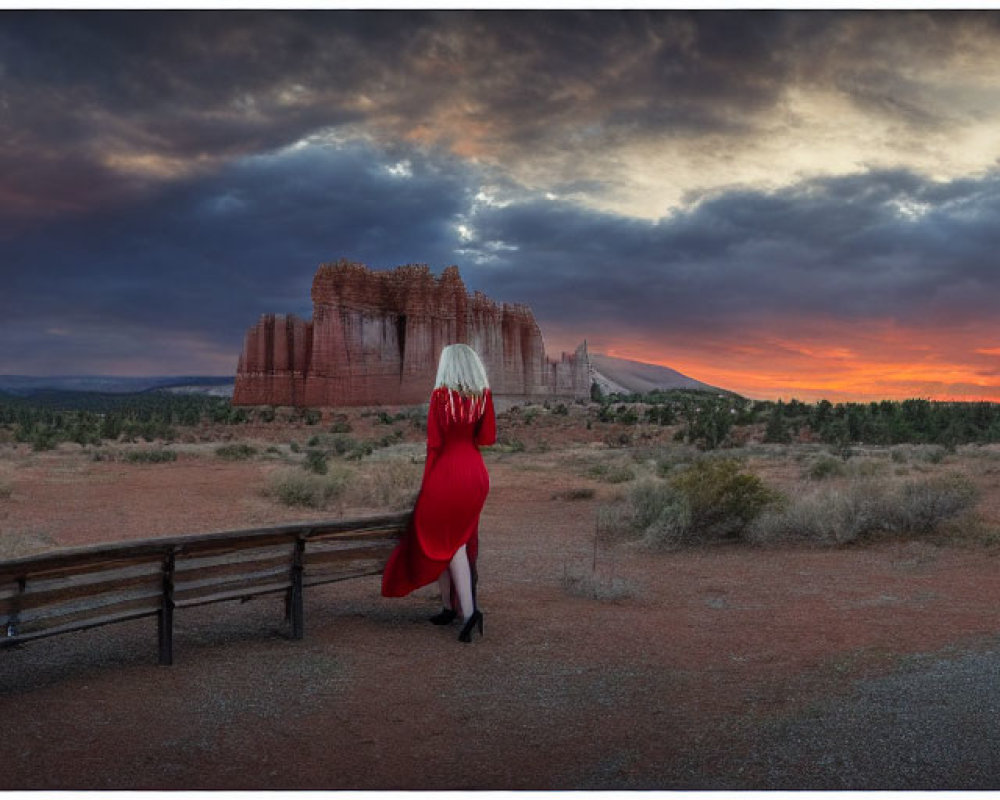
(475, 621)
(444, 617)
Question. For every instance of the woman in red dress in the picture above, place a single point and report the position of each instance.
(442, 541)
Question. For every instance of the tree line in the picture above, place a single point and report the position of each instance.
(702, 417)
(47, 418)
(708, 418)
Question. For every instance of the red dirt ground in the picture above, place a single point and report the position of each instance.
(663, 687)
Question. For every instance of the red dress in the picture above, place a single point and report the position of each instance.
(452, 494)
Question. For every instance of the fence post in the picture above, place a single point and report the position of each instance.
(297, 609)
(166, 616)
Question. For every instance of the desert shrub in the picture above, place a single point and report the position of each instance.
(311, 416)
(294, 446)
(826, 467)
(921, 506)
(626, 415)
(315, 461)
(355, 450)
(150, 456)
(44, 438)
(932, 454)
(617, 440)
(348, 447)
(6, 490)
(341, 426)
(667, 459)
(722, 498)
(389, 483)
(389, 439)
(236, 452)
(508, 444)
(816, 517)
(294, 487)
(864, 510)
(561, 410)
(659, 513)
(661, 415)
(612, 473)
(580, 493)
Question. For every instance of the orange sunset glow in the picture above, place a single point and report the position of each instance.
(881, 362)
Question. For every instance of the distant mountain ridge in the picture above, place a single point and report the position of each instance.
(26, 385)
(613, 375)
(622, 376)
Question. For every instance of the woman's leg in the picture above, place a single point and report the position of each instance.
(462, 578)
(444, 584)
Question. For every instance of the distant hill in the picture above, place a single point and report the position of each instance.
(626, 377)
(27, 385)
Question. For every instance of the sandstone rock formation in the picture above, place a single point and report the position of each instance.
(375, 338)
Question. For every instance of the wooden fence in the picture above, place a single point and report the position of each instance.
(75, 589)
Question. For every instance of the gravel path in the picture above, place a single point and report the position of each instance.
(932, 724)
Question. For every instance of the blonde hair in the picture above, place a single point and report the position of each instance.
(461, 369)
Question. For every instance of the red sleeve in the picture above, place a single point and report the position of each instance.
(435, 437)
(486, 431)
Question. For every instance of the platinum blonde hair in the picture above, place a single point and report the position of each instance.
(461, 369)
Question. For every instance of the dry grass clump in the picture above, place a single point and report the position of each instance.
(236, 452)
(612, 473)
(296, 487)
(924, 453)
(864, 510)
(588, 584)
(824, 467)
(384, 483)
(391, 483)
(667, 459)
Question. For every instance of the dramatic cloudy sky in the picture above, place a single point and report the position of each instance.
(785, 204)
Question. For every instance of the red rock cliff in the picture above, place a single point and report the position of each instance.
(376, 336)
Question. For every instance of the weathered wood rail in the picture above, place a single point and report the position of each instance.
(80, 588)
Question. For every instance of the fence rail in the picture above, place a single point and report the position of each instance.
(80, 588)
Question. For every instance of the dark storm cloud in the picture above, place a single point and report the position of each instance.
(886, 246)
(105, 105)
(99, 106)
(208, 257)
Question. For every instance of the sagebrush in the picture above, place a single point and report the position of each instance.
(866, 509)
(712, 499)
